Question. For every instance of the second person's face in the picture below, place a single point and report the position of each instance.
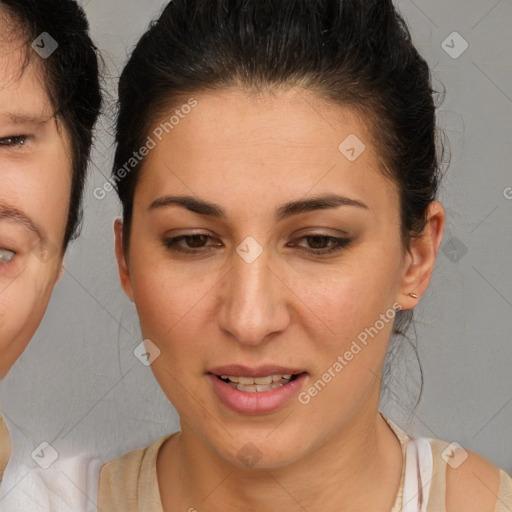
(35, 181)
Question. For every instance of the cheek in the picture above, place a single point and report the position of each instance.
(52, 203)
(348, 335)
(22, 307)
(168, 295)
(44, 194)
(346, 299)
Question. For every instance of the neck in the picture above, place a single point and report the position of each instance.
(358, 469)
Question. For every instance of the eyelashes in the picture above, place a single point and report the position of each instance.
(173, 244)
(13, 141)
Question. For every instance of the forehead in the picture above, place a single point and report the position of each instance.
(23, 95)
(292, 117)
(292, 138)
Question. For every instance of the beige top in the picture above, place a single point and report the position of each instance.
(130, 483)
(5, 447)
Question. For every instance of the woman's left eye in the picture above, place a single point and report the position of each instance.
(14, 140)
(198, 242)
(320, 240)
(6, 256)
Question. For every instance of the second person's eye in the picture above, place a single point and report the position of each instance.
(6, 256)
(14, 140)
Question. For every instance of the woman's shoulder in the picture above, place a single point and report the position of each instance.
(130, 482)
(5, 447)
(464, 481)
(450, 478)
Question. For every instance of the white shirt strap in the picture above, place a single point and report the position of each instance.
(419, 465)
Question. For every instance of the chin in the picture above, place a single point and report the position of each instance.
(259, 451)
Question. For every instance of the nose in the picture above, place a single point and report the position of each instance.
(253, 301)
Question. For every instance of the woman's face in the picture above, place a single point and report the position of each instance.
(255, 290)
(35, 180)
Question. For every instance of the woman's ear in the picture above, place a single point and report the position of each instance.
(124, 272)
(421, 257)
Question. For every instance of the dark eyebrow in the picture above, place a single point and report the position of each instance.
(201, 207)
(15, 215)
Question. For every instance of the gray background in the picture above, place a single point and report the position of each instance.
(80, 387)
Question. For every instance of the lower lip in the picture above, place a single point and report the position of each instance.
(259, 402)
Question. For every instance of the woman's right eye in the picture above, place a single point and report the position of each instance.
(196, 240)
(6, 256)
(13, 140)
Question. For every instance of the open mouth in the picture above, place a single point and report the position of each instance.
(261, 390)
(258, 384)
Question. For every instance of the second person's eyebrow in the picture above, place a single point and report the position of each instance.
(289, 209)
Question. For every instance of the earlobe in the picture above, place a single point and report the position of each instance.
(122, 264)
(421, 257)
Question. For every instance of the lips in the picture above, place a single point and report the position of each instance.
(254, 372)
(256, 398)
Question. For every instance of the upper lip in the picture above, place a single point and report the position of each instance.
(237, 370)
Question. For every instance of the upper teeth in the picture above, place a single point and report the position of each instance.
(247, 381)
